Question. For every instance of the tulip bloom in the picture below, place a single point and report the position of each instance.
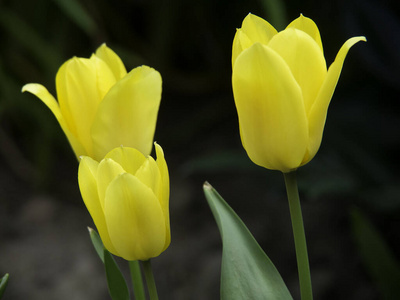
(282, 90)
(101, 106)
(127, 195)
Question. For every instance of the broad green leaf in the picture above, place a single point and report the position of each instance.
(378, 258)
(115, 280)
(247, 272)
(3, 284)
(97, 243)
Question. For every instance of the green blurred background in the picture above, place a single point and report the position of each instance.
(350, 191)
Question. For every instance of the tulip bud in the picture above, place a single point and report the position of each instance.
(101, 106)
(282, 90)
(127, 195)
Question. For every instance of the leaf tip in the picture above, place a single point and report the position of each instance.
(207, 186)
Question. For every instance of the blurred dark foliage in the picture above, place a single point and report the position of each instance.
(43, 242)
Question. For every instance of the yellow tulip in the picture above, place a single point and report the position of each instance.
(127, 195)
(282, 90)
(101, 106)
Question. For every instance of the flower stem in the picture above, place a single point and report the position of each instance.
(151, 284)
(299, 236)
(137, 281)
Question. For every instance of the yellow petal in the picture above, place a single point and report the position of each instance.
(112, 60)
(240, 42)
(319, 110)
(106, 172)
(269, 102)
(257, 29)
(42, 93)
(305, 60)
(134, 219)
(127, 116)
(77, 82)
(149, 174)
(308, 26)
(129, 158)
(164, 199)
(88, 186)
(254, 29)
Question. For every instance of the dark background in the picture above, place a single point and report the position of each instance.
(44, 244)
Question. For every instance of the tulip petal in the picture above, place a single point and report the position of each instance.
(106, 172)
(43, 94)
(254, 29)
(272, 118)
(134, 219)
(308, 26)
(88, 186)
(164, 199)
(112, 60)
(127, 116)
(305, 60)
(149, 174)
(257, 29)
(317, 115)
(81, 84)
(129, 158)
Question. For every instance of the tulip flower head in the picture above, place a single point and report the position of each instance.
(282, 90)
(101, 106)
(127, 195)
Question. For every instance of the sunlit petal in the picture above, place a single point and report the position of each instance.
(308, 26)
(305, 60)
(127, 116)
(88, 186)
(134, 219)
(112, 60)
(269, 102)
(319, 110)
(42, 93)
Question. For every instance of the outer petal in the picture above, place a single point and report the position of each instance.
(317, 115)
(106, 172)
(129, 158)
(81, 84)
(128, 114)
(308, 26)
(134, 219)
(88, 187)
(254, 29)
(42, 93)
(112, 60)
(164, 198)
(269, 102)
(305, 60)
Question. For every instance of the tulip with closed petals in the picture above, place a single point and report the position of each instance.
(282, 90)
(127, 195)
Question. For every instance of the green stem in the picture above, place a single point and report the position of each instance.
(137, 281)
(299, 236)
(151, 284)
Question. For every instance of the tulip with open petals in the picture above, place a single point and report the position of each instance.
(101, 106)
(127, 195)
(282, 90)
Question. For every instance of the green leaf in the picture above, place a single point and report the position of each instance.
(247, 272)
(97, 243)
(115, 280)
(378, 258)
(3, 284)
